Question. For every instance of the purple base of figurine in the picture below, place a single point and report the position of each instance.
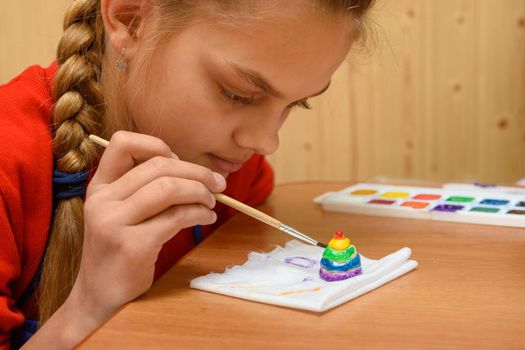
(339, 276)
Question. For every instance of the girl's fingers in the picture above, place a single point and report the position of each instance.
(159, 167)
(161, 228)
(124, 151)
(161, 194)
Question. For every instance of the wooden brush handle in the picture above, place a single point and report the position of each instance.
(243, 208)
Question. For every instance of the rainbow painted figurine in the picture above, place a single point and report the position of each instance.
(340, 259)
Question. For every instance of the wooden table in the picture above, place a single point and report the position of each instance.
(467, 292)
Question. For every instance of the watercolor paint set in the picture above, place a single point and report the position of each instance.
(468, 204)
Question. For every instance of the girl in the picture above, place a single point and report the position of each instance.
(201, 88)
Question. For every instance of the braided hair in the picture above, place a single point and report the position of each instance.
(76, 114)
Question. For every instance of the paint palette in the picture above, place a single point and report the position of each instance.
(444, 204)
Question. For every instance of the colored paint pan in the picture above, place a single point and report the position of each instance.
(382, 201)
(449, 208)
(415, 205)
(516, 212)
(395, 195)
(427, 197)
(485, 210)
(459, 199)
(494, 202)
(363, 192)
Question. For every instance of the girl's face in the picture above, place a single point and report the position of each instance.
(219, 92)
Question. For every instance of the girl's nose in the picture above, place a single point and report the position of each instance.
(259, 134)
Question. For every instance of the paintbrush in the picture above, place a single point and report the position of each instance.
(243, 208)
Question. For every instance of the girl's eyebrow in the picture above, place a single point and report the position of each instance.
(256, 80)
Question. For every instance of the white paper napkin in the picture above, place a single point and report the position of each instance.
(289, 276)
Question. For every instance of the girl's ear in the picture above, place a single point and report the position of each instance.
(124, 22)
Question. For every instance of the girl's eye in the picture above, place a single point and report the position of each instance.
(247, 100)
(302, 104)
(235, 99)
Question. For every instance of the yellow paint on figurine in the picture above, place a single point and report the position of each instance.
(339, 242)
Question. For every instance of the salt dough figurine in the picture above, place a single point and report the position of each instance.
(340, 259)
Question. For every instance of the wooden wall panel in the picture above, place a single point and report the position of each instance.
(441, 96)
(453, 116)
(502, 89)
(29, 33)
(441, 99)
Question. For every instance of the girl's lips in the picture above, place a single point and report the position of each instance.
(225, 166)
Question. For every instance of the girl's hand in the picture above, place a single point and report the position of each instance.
(130, 212)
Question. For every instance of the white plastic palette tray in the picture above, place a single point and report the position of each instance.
(480, 207)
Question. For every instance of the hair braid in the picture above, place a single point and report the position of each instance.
(76, 114)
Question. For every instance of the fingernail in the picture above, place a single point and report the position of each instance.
(219, 180)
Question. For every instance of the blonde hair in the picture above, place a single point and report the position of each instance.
(76, 113)
(78, 110)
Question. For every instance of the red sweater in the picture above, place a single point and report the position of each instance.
(26, 165)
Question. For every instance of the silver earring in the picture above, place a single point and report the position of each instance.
(121, 63)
